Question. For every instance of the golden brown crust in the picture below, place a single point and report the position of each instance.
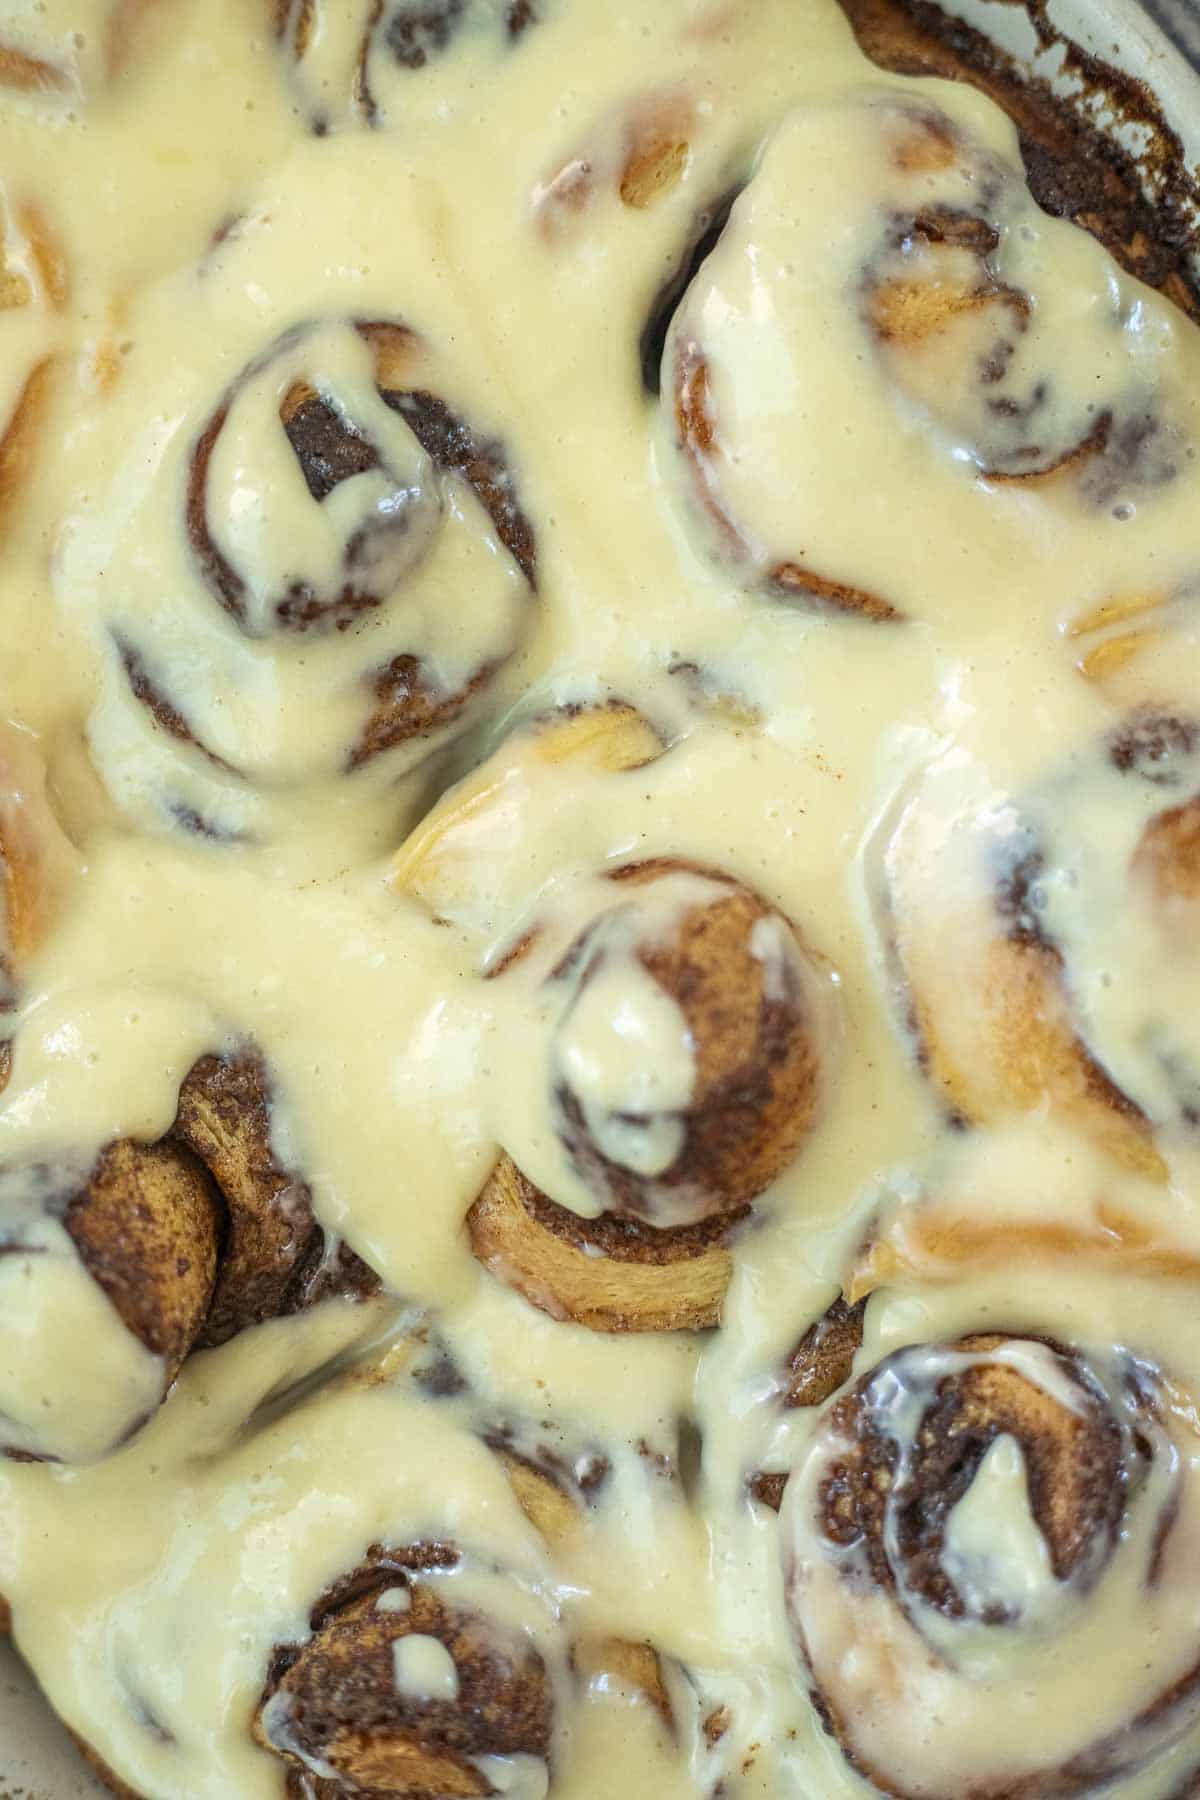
(147, 1228)
(274, 1258)
(610, 1275)
(1018, 1045)
(335, 1700)
(544, 1501)
(1024, 1049)
(30, 74)
(635, 1666)
(101, 1769)
(637, 154)
(437, 864)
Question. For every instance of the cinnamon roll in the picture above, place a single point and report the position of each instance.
(1029, 906)
(945, 314)
(597, 1186)
(997, 1491)
(330, 500)
(1074, 170)
(405, 1689)
(165, 1248)
(680, 1040)
(128, 1244)
(417, 1650)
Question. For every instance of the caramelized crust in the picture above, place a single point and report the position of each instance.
(1168, 855)
(22, 436)
(1024, 1048)
(636, 1667)
(1019, 1044)
(439, 863)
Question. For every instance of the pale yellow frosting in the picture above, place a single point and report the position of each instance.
(231, 205)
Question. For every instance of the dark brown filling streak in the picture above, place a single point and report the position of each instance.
(731, 1106)
(819, 1365)
(330, 449)
(1112, 454)
(621, 1237)
(968, 1412)
(415, 35)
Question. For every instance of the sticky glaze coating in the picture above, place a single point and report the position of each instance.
(598, 860)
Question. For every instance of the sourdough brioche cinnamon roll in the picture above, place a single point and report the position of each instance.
(401, 1690)
(678, 1059)
(357, 63)
(128, 1244)
(165, 1248)
(935, 295)
(1032, 907)
(351, 565)
(684, 1074)
(987, 1535)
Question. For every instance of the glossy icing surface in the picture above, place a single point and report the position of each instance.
(875, 604)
